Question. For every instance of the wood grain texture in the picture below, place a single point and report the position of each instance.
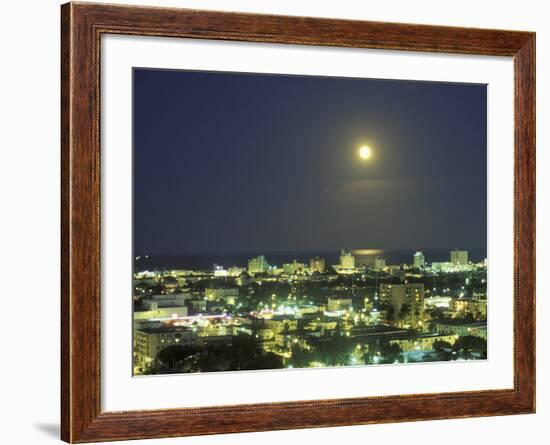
(81, 28)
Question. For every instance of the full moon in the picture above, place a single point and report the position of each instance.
(365, 152)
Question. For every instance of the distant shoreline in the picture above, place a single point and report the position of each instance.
(207, 261)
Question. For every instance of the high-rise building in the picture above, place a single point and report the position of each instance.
(419, 260)
(406, 301)
(347, 260)
(219, 271)
(379, 264)
(258, 265)
(317, 265)
(459, 257)
(294, 268)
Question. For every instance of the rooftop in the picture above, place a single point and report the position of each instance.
(166, 329)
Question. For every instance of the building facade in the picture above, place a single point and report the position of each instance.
(476, 329)
(379, 264)
(406, 301)
(258, 265)
(423, 342)
(317, 265)
(228, 294)
(347, 260)
(150, 341)
(459, 257)
(294, 268)
(339, 304)
(463, 306)
(419, 261)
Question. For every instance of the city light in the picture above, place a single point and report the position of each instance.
(278, 319)
(305, 221)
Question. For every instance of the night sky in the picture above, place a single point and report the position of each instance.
(232, 162)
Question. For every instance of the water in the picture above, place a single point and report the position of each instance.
(363, 256)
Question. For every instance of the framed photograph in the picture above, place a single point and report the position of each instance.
(275, 222)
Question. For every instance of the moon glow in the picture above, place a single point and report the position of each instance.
(365, 152)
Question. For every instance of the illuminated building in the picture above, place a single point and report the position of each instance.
(449, 267)
(442, 266)
(419, 261)
(161, 312)
(339, 304)
(235, 271)
(170, 283)
(265, 334)
(407, 302)
(165, 300)
(379, 264)
(438, 301)
(322, 325)
(459, 257)
(308, 309)
(463, 306)
(476, 329)
(150, 341)
(198, 305)
(228, 294)
(294, 268)
(317, 265)
(219, 271)
(280, 324)
(347, 260)
(258, 265)
(422, 342)
(287, 340)
(163, 306)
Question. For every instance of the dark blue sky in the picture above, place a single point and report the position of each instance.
(231, 162)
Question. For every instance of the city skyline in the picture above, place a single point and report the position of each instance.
(310, 314)
(306, 222)
(209, 260)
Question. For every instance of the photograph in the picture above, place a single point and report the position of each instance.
(287, 221)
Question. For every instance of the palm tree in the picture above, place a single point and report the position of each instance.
(404, 311)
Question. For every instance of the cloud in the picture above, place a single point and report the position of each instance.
(391, 188)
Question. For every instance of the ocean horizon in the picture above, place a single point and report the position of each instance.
(208, 261)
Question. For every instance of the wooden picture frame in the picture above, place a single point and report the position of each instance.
(82, 26)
